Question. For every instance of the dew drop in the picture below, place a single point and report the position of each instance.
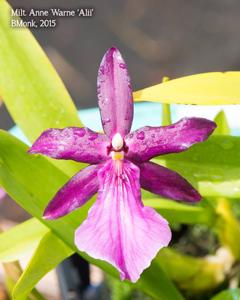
(61, 148)
(195, 157)
(130, 136)
(141, 135)
(93, 136)
(106, 121)
(101, 69)
(81, 132)
(217, 177)
(227, 145)
(104, 101)
(122, 66)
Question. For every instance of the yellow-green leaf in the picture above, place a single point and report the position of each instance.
(29, 85)
(166, 110)
(21, 239)
(203, 89)
(222, 124)
(50, 252)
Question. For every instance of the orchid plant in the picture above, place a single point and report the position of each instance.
(134, 174)
(119, 167)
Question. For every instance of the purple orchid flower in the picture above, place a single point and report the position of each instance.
(119, 229)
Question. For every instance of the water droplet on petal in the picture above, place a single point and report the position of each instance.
(93, 136)
(61, 147)
(140, 135)
(130, 136)
(122, 66)
(101, 69)
(81, 132)
(105, 121)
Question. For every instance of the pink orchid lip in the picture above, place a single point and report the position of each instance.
(129, 235)
(122, 239)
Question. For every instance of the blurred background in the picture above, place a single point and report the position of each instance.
(157, 38)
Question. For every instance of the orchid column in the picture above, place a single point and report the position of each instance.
(119, 229)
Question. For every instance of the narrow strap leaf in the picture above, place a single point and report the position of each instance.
(33, 92)
(222, 124)
(50, 252)
(31, 88)
(166, 109)
(213, 88)
(21, 239)
(182, 213)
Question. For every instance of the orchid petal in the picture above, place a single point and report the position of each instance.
(166, 183)
(148, 142)
(75, 193)
(2, 194)
(79, 144)
(119, 229)
(115, 94)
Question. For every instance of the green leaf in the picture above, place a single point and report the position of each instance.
(182, 213)
(203, 89)
(213, 166)
(222, 124)
(12, 272)
(157, 285)
(32, 181)
(166, 110)
(192, 274)
(227, 227)
(29, 85)
(120, 290)
(231, 294)
(50, 252)
(20, 240)
(166, 114)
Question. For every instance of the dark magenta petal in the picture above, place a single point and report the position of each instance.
(79, 144)
(76, 192)
(167, 183)
(114, 94)
(119, 229)
(148, 142)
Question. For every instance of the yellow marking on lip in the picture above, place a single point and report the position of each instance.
(117, 155)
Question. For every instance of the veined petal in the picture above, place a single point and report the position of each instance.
(79, 144)
(115, 94)
(166, 183)
(76, 192)
(119, 229)
(148, 142)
